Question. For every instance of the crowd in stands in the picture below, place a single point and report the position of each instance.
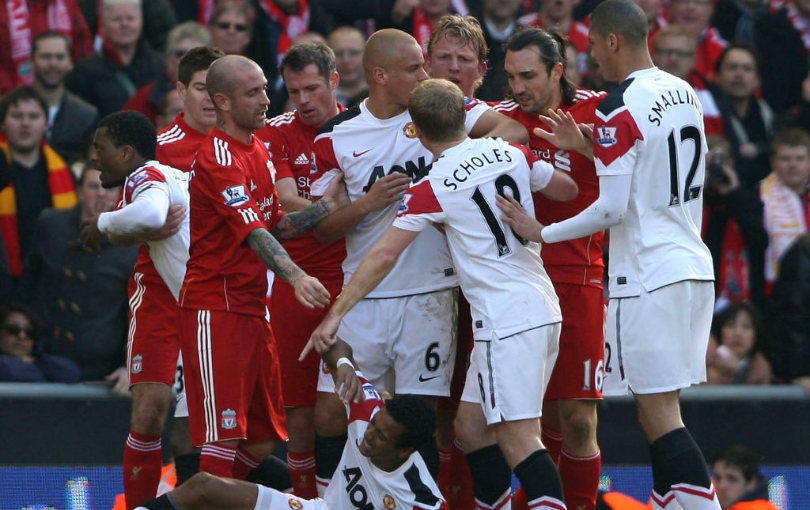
(66, 63)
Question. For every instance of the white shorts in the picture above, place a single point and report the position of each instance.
(656, 342)
(403, 345)
(509, 376)
(180, 402)
(271, 499)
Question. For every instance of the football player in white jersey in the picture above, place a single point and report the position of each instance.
(649, 150)
(412, 351)
(379, 468)
(515, 311)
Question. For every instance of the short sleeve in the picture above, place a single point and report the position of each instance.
(614, 149)
(226, 188)
(475, 108)
(277, 149)
(326, 165)
(541, 171)
(419, 208)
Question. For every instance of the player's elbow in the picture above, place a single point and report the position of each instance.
(611, 214)
(515, 132)
(386, 257)
(561, 188)
(150, 220)
(324, 234)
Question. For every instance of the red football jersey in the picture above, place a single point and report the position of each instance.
(232, 193)
(291, 144)
(578, 261)
(177, 144)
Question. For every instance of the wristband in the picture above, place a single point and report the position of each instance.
(344, 361)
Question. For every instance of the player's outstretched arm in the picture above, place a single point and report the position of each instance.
(174, 222)
(566, 134)
(496, 124)
(384, 192)
(342, 367)
(294, 224)
(308, 290)
(376, 264)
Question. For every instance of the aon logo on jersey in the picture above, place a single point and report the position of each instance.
(413, 170)
(356, 492)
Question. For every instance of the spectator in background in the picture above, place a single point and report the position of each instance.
(39, 177)
(71, 120)
(559, 15)
(182, 38)
(80, 296)
(656, 20)
(735, 348)
(126, 62)
(673, 50)
(30, 18)
(733, 230)
(749, 123)
(232, 26)
(348, 44)
(784, 194)
(771, 33)
(739, 484)
(158, 19)
(798, 12)
(499, 20)
(21, 359)
(419, 17)
(695, 16)
(789, 343)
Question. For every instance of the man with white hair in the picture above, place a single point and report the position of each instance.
(126, 63)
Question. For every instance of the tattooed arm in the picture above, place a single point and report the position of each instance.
(308, 290)
(294, 224)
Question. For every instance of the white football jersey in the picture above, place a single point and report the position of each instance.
(501, 273)
(171, 254)
(359, 484)
(365, 149)
(651, 126)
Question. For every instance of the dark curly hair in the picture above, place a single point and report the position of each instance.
(133, 129)
(418, 418)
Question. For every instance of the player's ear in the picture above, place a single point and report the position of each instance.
(334, 80)
(379, 75)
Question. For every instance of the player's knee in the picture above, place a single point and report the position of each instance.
(149, 417)
(301, 423)
(198, 488)
(579, 426)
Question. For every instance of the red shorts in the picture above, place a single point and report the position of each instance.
(464, 345)
(579, 370)
(292, 325)
(233, 381)
(152, 339)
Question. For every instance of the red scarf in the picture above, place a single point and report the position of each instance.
(733, 280)
(21, 27)
(63, 196)
(292, 25)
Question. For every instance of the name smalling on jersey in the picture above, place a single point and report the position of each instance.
(670, 99)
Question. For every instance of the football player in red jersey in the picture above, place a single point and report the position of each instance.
(311, 81)
(232, 373)
(535, 62)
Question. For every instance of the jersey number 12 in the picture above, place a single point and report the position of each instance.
(689, 192)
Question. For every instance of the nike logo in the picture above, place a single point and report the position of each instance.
(358, 154)
(422, 378)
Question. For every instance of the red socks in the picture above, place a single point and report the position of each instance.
(217, 460)
(302, 473)
(143, 462)
(580, 479)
